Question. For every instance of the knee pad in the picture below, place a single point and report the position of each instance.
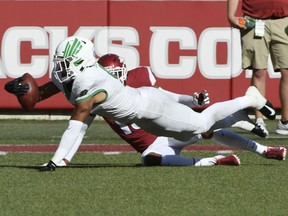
(152, 160)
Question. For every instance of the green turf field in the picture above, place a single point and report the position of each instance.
(98, 184)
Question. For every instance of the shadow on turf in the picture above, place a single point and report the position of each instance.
(77, 166)
(89, 166)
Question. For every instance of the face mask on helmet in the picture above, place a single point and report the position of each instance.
(72, 57)
(114, 65)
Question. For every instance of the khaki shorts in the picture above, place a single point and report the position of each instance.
(255, 50)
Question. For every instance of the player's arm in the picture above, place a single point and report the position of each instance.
(78, 142)
(195, 100)
(76, 123)
(18, 88)
(47, 90)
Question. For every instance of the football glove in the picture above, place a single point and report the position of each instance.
(51, 166)
(16, 87)
(201, 99)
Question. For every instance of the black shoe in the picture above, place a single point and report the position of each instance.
(51, 166)
(259, 131)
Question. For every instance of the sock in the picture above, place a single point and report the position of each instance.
(234, 140)
(176, 160)
(211, 161)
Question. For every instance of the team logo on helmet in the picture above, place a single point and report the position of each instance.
(72, 50)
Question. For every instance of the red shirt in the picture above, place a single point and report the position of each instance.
(265, 9)
(131, 133)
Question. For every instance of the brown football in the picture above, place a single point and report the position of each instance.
(29, 100)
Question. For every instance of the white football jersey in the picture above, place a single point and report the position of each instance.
(120, 102)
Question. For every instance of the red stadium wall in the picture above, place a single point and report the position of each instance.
(189, 45)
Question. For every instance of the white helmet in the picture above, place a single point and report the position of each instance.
(72, 56)
(115, 65)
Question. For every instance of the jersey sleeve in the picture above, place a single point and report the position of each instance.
(141, 76)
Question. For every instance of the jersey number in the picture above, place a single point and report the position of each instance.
(127, 128)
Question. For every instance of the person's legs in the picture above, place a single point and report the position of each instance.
(161, 154)
(217, 111)
(259, 80)
(164, 117)
(234, 140)
(282, 127)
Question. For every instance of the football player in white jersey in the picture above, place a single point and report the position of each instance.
(163, 150)
(92, 90)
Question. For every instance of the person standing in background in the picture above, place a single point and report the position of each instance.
(264, 31)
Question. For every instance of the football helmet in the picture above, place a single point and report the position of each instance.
(115, 65)
(72, 56)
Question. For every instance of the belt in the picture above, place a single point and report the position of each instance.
(274, 18)
(268, 18)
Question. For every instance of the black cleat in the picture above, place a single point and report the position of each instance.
(51, 166)
(259, 131)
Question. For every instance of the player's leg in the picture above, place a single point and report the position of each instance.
(240, 120)
(234, 140)
(178, 145)
(161, 154)
(161, 116)
(253, 98)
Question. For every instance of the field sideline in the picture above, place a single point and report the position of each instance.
(101, 148)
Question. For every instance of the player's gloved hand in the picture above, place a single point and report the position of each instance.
(16, 87)
(51, 166)
(202, 98)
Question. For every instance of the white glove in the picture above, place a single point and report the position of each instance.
(201, 99)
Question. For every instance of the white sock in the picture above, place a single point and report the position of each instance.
(211, 161)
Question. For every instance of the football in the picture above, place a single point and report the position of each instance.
(29, 100)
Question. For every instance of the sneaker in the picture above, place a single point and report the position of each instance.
(262, 104)
(248, 126)
(282, 128)
(60, 164)
(231, 160)
(260, 131)
(262, 126)
(277, 153)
